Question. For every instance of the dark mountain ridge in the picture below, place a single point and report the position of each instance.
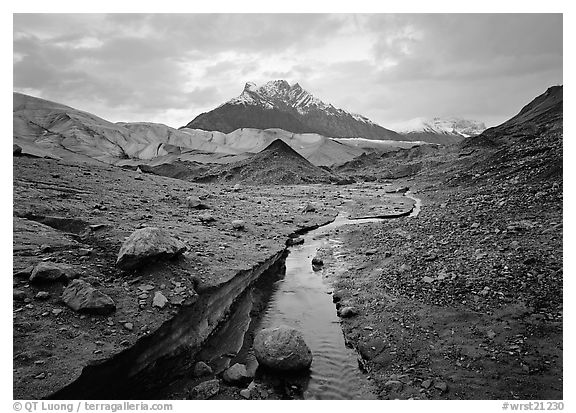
(277, 164)
(277, 104)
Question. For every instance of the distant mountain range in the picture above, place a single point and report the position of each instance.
(277, 104)
(440, 130)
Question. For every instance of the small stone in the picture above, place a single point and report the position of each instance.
(443, 387)
(18, 295)
(42, 295)
(41, 376)
(205, 390)
(427, 279)
(245, 393)
(159, 300)
(393, 385)
(57, 311)
(206, 218)
(236, 374)
(51, 271)
(202, 369)
(475, 225)
(194, 203)
(371, 251)
(294, 241)
(427, 383)
(238, 225)
(317, 264)
(129, 326)
(347, 312)
(82, 297)
(45, 248)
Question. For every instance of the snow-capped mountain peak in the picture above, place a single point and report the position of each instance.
(279, 93)
(442, 126)
(277, 104)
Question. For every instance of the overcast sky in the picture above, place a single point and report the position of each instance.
(168, 68)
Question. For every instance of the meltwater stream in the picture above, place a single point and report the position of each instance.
(301, 299)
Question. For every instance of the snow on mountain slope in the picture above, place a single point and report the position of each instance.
(449, 126)
(277, 104)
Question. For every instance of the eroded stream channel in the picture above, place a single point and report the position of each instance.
(295, 295)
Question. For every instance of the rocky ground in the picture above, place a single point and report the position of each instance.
(462, 302)
(79, 215)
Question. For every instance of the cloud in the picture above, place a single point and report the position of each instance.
(171, 67)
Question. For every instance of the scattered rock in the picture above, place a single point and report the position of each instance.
(147, 244)
(18, 295)
(443, 387)
(82, 297)
(159, 300)
(294, 241)
(238, 225)
(282, 348)
(42, 295)
(393, 385)
(195, 203)
(202, 369)
(206, 218)
(317, 264)
(237, 374)
(347, 312)
(205, 390)
(45, 248)
(51, 271)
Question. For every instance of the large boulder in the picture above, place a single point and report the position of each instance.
(52, 271)
(148, 244)
(282, 348)
(82, 297)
